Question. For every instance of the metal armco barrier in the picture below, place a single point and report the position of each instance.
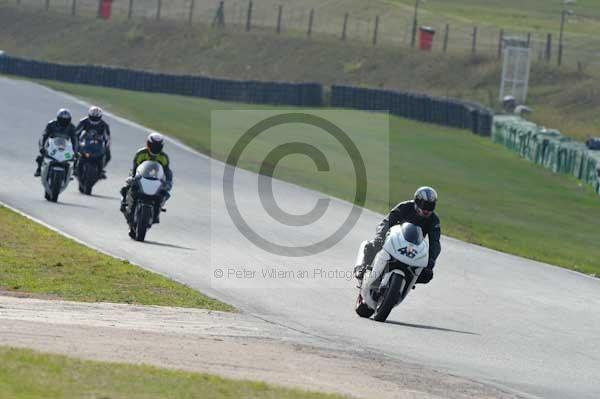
(441, 111)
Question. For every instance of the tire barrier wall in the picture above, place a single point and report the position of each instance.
(442, 111)
(246, 91)
(548, 148)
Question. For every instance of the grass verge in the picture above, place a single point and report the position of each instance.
(29, 374)
(36, 260)
(489, 196)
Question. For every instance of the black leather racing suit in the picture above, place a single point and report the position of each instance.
(55, 129)
(99, 129)
(406, 212)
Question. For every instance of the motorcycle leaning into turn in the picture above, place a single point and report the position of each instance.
(394, 271)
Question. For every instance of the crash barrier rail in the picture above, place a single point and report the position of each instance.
(443, 111)
(548, 148)
(253, 92)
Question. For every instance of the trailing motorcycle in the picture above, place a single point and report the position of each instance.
(394, 271)
(92, 150)
(56, 167)
(144, 199)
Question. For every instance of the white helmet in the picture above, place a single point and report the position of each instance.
(95, 114)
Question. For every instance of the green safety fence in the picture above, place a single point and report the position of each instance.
(548, 148)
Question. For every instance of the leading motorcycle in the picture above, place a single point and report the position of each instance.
(394, 271)
(144, 198)
(57, 167)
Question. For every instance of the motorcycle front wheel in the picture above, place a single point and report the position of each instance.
(389, 299)
(143, 222)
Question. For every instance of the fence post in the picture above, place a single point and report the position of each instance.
(376, 31)
(528, 39)
(47, 5)
(311, 17)
(446, 34)
(474, 44)
(549, 47)
(219, 19)
(74, 8)
(130, 11)
(191, 17)
(249, 17)
(500, 40)
(158, 9)
(345, 26)
(279, 13)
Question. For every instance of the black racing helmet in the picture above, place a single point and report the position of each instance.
(63, 117)
(425, 201)
(155, 143)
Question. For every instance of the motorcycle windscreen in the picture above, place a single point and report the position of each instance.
(150, 186)
(412, 233)
(150, 170)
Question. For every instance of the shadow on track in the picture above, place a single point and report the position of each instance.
(162, 244)
(107, 197)
(424, 327)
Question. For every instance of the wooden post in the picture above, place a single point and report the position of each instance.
(158, 9)
(74, 7)
(249, 17)
(474, 44)
(191, 17)
(279, 14)
(528, 39)
(219, 19)
(376, 30)
(549, 47)
(500, 40)
(47, 5)
(446, 34)
(311, 18)
(345, 26)
(130, 12)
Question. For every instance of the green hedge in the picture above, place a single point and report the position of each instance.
(548, 148)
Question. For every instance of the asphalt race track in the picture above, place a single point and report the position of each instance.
(488, 316)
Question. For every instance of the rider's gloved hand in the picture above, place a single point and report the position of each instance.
(425, 276)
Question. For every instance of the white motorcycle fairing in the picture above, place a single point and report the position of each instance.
(58, 159)
(398, 248)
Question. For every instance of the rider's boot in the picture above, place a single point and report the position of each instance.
(38, 172)
(103, 174)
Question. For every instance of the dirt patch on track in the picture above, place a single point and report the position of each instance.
(227, 344)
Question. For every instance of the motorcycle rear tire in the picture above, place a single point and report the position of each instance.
(389, 299)
(362, 309)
